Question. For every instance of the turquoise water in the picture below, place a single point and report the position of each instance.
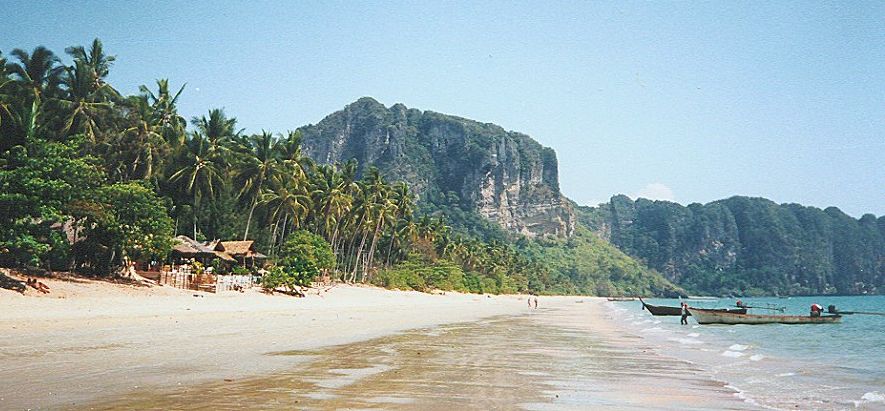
(822, 366)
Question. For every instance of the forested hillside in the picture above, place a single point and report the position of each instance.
(91, 180)
(744, 245)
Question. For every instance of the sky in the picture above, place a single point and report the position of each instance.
(680, 101)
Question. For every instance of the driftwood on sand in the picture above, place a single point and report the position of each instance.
(10, 283)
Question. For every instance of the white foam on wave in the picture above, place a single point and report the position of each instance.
(757, 357)
(738, 347)
(693, 335)
(657, 322)
(652, 329)
(685, 340)
(732, 354)
(873, 396)
(695, 326)
(786, 374)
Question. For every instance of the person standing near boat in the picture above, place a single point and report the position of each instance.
(816, 309)
(684, 313)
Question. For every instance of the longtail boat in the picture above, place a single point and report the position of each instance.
(703, 316)
(660, 310)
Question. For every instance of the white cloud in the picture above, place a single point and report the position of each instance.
(656, 191)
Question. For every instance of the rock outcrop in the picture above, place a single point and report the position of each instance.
(502, 175)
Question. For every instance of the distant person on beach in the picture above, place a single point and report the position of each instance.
(684, 313)
(529, 300)
(536, 302)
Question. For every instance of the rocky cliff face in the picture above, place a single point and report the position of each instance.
(504, 176)
(744, 245)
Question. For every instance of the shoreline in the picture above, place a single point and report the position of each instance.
(104, 341)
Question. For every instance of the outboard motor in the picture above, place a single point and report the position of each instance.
(832, 309)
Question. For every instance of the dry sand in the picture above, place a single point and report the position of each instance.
(112, 346)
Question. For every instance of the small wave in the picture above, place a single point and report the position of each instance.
(685, 340)
(693, 335)
(757, 357)
(786, 374)
(652, 329)
(738, 347)
(732, 354)
(873, 396)
(657, 322)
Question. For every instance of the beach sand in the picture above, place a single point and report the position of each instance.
(108, 346)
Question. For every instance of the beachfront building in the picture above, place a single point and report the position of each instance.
(188, 249)
(243, 252)
(208, 266)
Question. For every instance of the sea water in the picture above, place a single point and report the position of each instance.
(816, 366)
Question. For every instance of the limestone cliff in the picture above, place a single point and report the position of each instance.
(502, 175)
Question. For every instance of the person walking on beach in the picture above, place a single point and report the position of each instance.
(536, 302)
(529, 300)
(684, 313)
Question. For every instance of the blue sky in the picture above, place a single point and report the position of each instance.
(690, 102)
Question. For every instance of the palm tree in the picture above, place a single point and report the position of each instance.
(403, 208)
(200, 175)
(293, 157)
(258, 165)
(142, 146)
(218, 130)
(98, 62)
(84, 100)
(165, 112)
(39, 71)
(330, 199)
(35, 74)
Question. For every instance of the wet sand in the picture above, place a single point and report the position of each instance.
(569, 354)
(87, 341)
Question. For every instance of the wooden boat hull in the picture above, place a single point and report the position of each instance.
(703, 316)
(662, 310)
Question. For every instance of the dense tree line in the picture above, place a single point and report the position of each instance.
(744, 245)
(90, 178)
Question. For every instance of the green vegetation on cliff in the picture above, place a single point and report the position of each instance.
(475, 172)
(744, 245)
(90, 178)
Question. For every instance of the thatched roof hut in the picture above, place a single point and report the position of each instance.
(187, 247)
(239, 249)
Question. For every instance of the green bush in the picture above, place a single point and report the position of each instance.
(303, 257)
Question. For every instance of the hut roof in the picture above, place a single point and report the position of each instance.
(236, 248)
(188, 246)
(224, 256)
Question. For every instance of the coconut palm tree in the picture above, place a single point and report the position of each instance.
(39, 72)
(200, 174)
(95, 59)
(257, 167)
(84, 101)
(218, 130)
(33, 76)
(287, 202)
(141, 147)
(165, 112)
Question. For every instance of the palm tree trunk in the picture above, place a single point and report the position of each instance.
(273, 238)
(358, 255)
(249, 220)
(371, 257)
